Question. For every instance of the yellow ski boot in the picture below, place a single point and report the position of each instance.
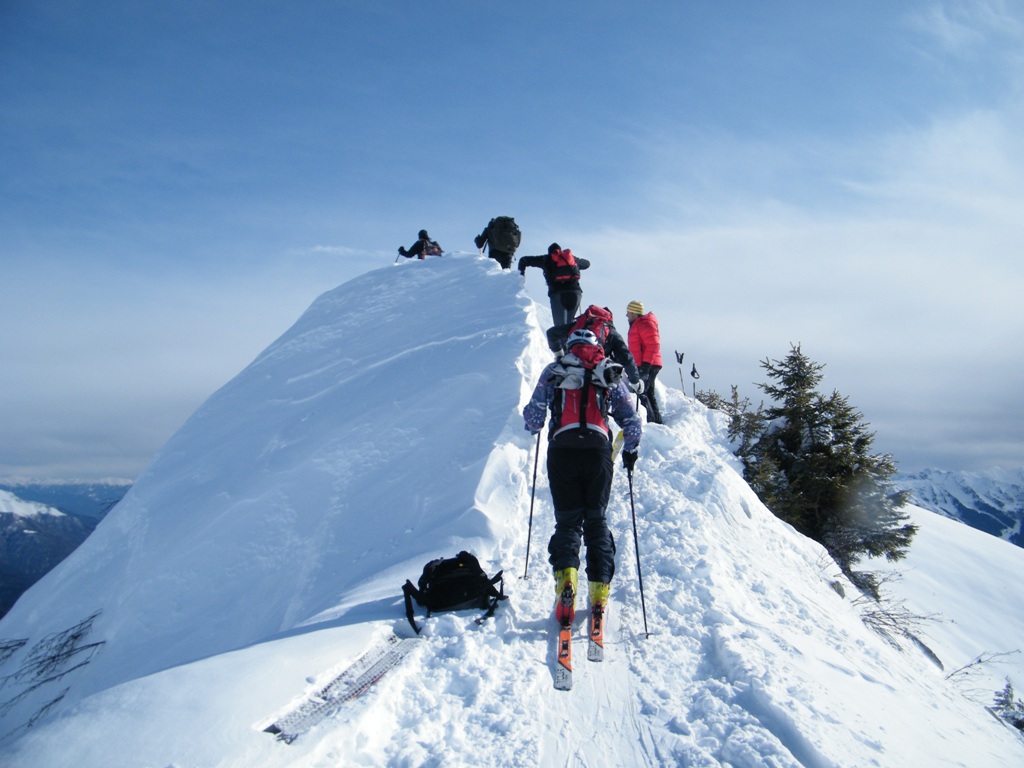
(598, 607)
(565, 592)
(599, 594)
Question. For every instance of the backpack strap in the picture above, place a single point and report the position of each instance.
(588, 378)
(410, 592)
(497, 595)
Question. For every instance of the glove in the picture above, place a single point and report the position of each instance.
(479, 241)
(629, 460)
(401, 250)
(637, 386)
(645, 369)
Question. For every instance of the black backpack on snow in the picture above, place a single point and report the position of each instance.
(503, 234)
(451, 584)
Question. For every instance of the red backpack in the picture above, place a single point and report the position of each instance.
(596, 320)
(565, 268)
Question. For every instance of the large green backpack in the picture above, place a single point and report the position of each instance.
(503, 234)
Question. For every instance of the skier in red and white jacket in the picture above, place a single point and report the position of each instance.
(579, 459)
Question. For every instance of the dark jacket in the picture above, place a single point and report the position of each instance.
(546, 263)
(421, 249)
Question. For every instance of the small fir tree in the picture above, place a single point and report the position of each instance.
(1008, 707)
(812, 466)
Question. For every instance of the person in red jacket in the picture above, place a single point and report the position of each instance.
(645, 346)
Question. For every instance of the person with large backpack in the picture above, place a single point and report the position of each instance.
(422, 248)
(562, 273)
(501, 236)
(581, 389)
(645, 346)
(599, 321)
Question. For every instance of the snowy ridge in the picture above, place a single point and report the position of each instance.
(264, 549)
(349, 447)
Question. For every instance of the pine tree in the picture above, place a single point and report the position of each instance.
(812, 466)
(1009, 707)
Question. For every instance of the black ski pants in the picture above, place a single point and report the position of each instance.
(565, 305)
(580, 480)
(649, 373)
(502, 257)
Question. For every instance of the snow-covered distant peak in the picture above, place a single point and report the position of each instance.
(12, 505)
(990, 500)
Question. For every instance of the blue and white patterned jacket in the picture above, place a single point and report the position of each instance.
(619, 400)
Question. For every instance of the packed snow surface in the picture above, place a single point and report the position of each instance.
(264, 549)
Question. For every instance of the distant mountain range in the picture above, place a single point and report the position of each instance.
(33, 539)
(82, 499)
(991, 501)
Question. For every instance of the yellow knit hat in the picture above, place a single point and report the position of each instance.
(636, 307)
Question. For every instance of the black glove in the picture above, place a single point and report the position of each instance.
(401, 250)
(479, 240)
(629, 460)
(645, 369)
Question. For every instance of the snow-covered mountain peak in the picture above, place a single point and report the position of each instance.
(264, 549)
(12, 505)
(991, 501)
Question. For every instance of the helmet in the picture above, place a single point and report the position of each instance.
(581, 336)
(423, 234)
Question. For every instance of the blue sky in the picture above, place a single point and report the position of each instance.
(181, 179)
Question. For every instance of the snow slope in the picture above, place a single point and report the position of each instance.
(264, 550)
(968, 585)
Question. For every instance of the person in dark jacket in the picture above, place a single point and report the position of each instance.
(562, 274)
(422, 248)
(501, 236)
(645, 346)
(579, 465)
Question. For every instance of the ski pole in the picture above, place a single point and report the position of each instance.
(679, 359)
(533, 493)
(636, 547)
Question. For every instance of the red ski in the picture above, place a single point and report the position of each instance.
(595, 650)
(565, 610)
